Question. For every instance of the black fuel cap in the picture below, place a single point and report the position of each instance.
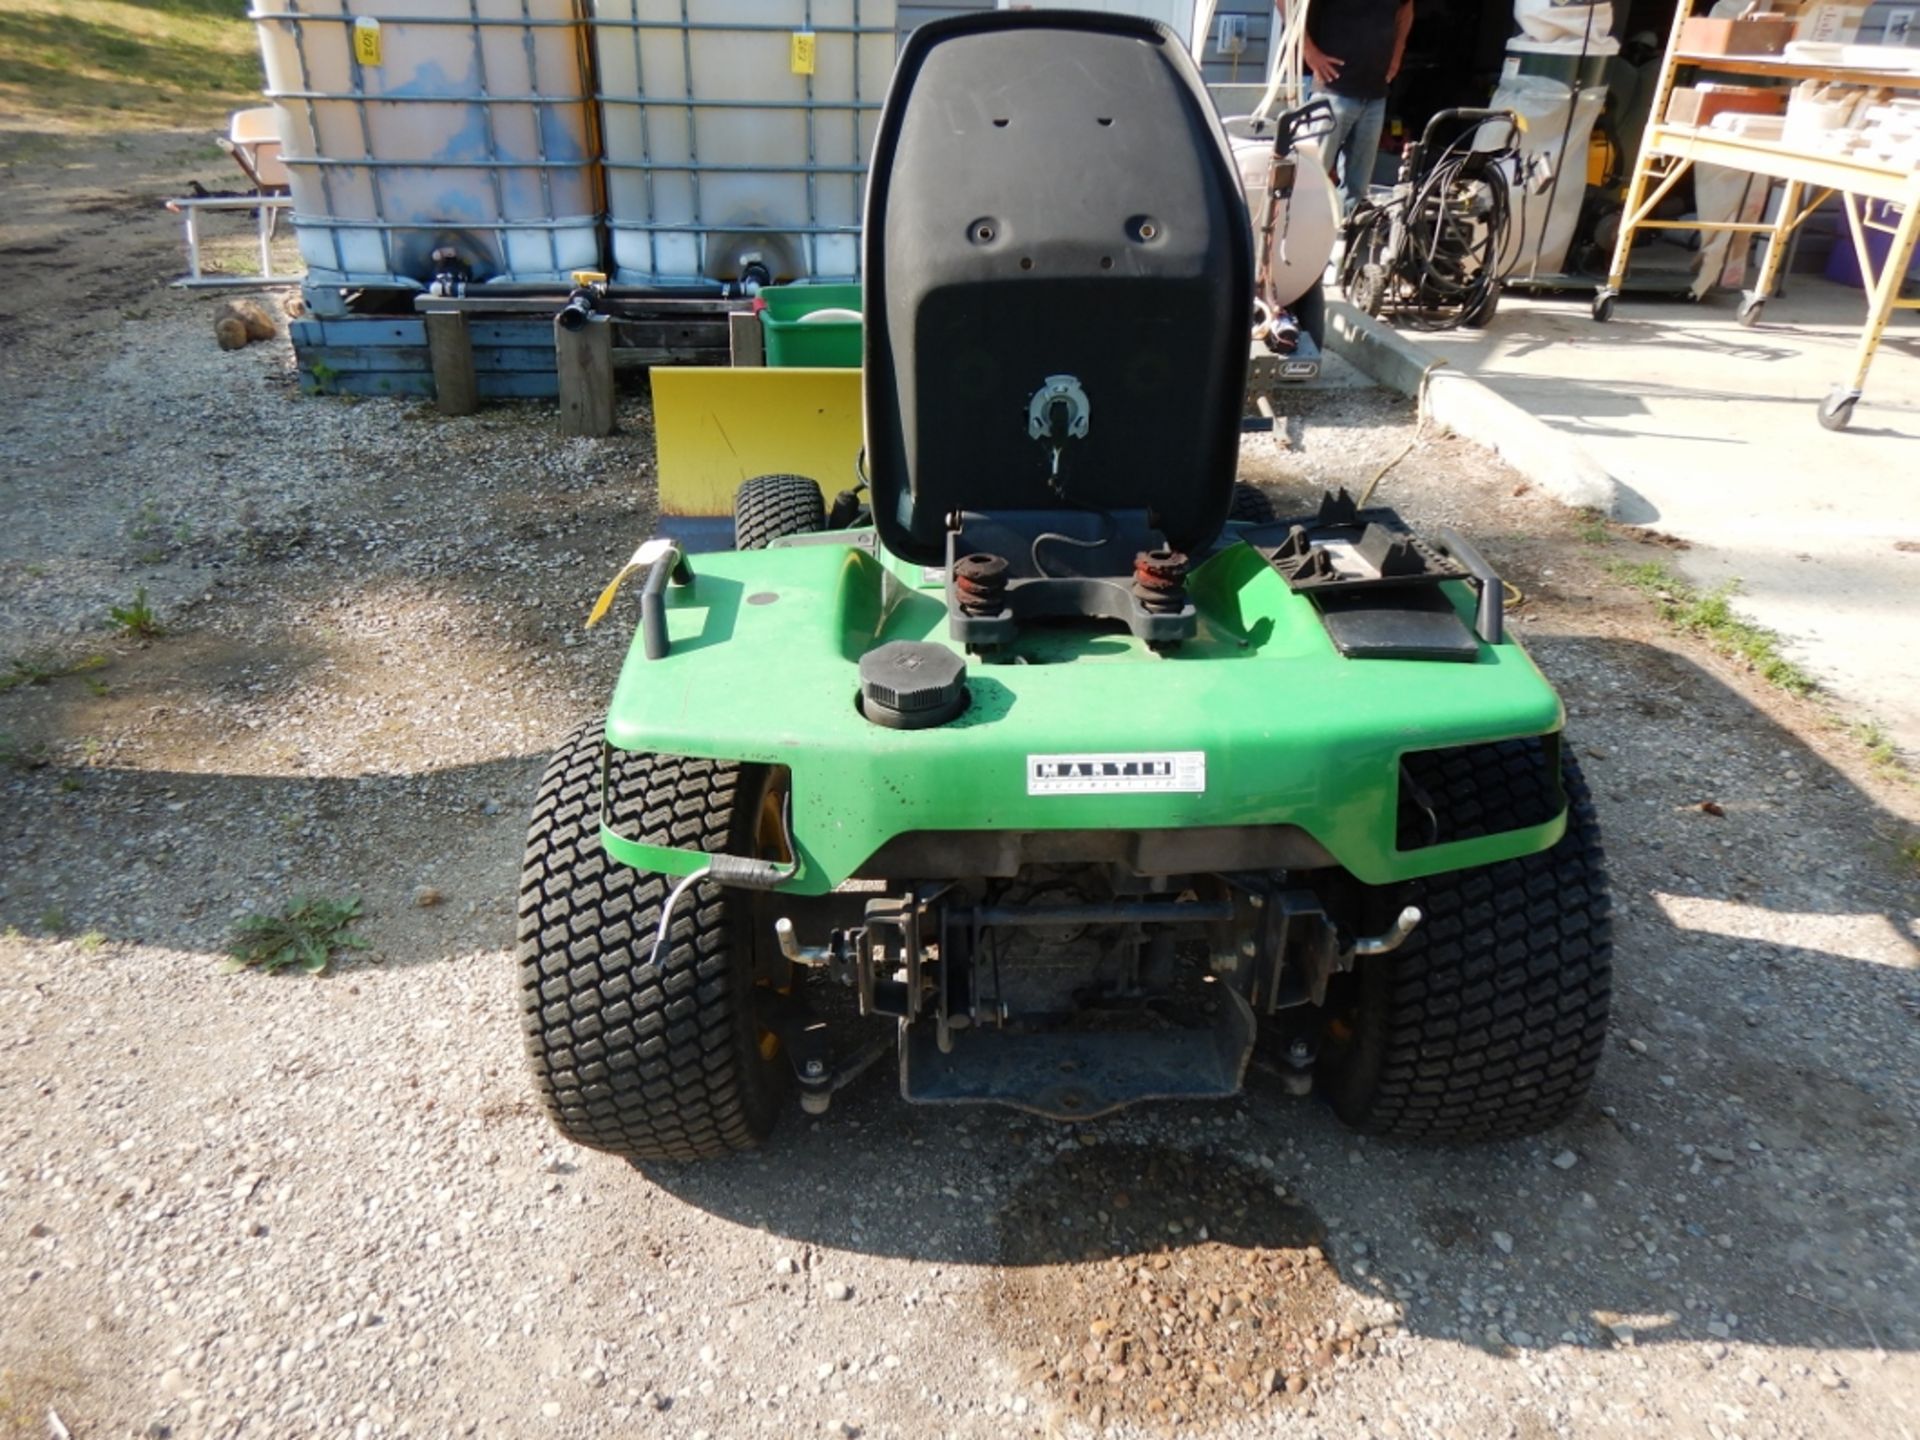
(910, 685)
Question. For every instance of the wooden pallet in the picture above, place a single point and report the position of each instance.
(513, 354)
(379, 356)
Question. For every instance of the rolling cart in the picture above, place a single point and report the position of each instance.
(1668, 151)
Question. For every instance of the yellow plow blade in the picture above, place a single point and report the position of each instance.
(715, 426)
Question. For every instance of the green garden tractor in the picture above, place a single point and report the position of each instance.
(1049, 762)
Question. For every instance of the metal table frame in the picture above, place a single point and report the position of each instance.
(188, 208)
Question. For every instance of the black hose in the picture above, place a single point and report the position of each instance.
(1449, 265)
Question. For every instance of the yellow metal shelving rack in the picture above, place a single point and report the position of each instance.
(1668, 151)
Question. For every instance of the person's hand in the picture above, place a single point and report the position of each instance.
(1326, 68)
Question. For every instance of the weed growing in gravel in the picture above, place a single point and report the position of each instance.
(1910, 852)
(18, 754)
(1709, 614)
(39, 668)
(91, 941)
(1882, 754)
(53, 920)
(28, 670)
(1591, 527)
(139, 619)
(305, 935)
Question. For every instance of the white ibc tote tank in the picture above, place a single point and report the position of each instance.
(739, 129)
(415, 125)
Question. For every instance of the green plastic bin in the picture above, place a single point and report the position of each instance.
(792, 339)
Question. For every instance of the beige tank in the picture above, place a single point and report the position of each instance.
(414, 125)
(739, 129)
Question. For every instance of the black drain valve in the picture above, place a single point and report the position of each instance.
(911, 685)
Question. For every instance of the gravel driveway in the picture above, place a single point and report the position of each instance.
(280, 1206)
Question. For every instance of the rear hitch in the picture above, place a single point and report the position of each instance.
(1393, 937)
(1294, 948)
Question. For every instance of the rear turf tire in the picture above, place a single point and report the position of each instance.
(768, 507)
(1251, 505)
(650, 1062)
(1489, 1022)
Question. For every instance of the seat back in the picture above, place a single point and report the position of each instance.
(1055, 233)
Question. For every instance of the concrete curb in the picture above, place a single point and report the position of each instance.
(1458, 402)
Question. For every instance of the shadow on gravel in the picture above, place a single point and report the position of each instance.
(1743, 1171)
(171, 858)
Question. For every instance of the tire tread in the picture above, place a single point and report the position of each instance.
(654, 1063)
(1490, 1021)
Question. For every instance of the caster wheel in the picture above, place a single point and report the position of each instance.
(1750, 310)
(1369, 289)
(1603, 306)
(1481, 315)
(1836, 411)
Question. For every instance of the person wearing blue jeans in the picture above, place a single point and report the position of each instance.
(1353, 49)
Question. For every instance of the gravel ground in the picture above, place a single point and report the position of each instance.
(278, 1206)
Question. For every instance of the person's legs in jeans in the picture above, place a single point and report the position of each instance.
(1345, 113)
(1356, 129)
(1360, 135)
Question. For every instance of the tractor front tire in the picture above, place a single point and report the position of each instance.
(1489, 1021)
(653, 1062)
(768, 507)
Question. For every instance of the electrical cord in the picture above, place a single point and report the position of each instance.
(1419, 429)
(1106, 536)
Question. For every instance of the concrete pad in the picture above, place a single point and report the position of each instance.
(1710, 430)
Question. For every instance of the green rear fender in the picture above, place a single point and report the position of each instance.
(761, 668)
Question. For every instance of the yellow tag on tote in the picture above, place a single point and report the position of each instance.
(366, 40)
(800, 52)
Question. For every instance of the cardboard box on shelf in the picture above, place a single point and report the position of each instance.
(1830, 23)
(1698, 104)
(1756, 35)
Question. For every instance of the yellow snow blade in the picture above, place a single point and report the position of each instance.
(715, 426)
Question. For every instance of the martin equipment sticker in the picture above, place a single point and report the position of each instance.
(800, 52)
(1174, 771)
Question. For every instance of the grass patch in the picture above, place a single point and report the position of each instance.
(106, 64)
(43, 667)
(1881, 751)
(28, 670)
(18, 754)
(138, 620)
(304, 936)
(1591, 527)
(1709, 614)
